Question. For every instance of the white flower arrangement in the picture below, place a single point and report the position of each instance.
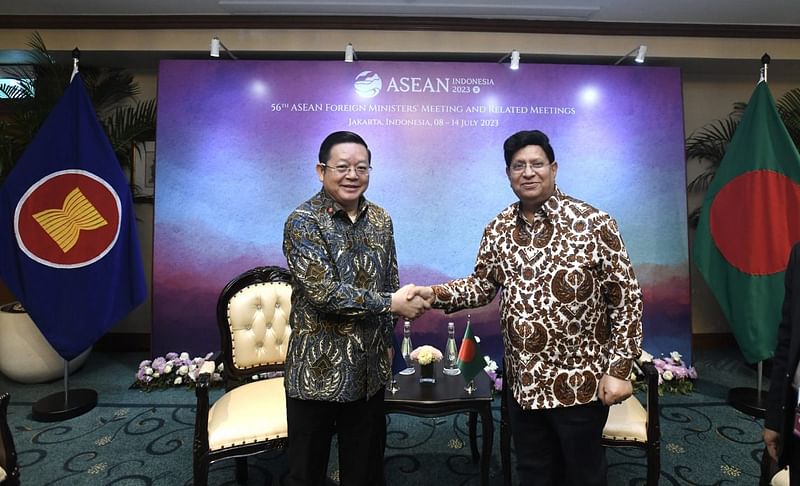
(173, 369)
(426, 355)
(491, 370)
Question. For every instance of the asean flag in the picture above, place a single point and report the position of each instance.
(68, 245)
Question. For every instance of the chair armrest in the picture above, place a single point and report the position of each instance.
(8, 453)
(651, 403)
(206, 371)
(201, 414)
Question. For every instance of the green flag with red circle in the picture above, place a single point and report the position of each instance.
(748, 224)
(470, 361)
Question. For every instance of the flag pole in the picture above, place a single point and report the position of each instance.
(62, 406)
(748, 400)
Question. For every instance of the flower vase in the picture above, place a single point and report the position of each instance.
(426, 374)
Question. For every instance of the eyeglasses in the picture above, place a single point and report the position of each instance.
(519, 167)
(360, 170)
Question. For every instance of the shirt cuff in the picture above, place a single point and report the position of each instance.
(620, 368)
(387, 302)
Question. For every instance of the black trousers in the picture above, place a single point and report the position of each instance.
(559, 446)
(793, 456)
(360, 427)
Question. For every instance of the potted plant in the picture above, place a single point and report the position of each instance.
(708, 144)
(25, 354)
(40, 85)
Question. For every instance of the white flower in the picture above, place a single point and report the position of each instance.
(490, 364)
(667, 374)
(425, 357)
(148, 371)
(156, 374)
(645, 357)
(178, 381)
(168, 369)
(676, 356)
(183, 370)
(184, 356)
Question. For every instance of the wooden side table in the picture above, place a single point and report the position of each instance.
(447, 396)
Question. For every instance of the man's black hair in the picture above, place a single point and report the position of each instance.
(524, 138)
(336, 138)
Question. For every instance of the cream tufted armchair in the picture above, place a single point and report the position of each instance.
(629, 424)
(9, 470)
(253, 319)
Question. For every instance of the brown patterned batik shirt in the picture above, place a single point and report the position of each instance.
(345, 273)
(571, 307)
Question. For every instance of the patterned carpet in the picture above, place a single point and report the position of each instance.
(139, 438)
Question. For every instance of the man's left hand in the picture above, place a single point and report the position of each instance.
(612, 390)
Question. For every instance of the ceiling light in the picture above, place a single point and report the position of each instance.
(641, 54)
(514, 57)
(514, 60)
(349, 53)
(215, 45)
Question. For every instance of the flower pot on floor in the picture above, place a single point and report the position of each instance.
(25, 355)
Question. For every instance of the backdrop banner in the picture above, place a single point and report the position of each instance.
(238, 141)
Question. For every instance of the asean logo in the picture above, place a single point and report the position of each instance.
(368, 84)
(68, 219)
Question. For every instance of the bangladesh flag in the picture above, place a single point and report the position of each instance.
(749, 222)
(470, 361)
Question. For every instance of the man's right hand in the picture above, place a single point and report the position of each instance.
(408, 305)
(771, 440)
(426, 293)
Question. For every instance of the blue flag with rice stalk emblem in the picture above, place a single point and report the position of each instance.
(68, 244)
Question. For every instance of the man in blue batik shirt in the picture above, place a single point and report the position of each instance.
(341, 252)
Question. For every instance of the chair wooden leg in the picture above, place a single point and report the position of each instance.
(200, 476)
(241, 470)
(653, 464)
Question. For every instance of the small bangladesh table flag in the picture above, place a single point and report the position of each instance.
(470, 361)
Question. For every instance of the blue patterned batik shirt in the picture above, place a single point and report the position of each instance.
(345, 273)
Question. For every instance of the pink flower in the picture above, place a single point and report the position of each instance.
(498, 384)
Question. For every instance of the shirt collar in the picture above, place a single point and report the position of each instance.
(550, 209)
(331, 207)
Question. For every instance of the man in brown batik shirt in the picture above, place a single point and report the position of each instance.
(571, 312)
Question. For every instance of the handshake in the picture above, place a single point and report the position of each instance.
(411, 301)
